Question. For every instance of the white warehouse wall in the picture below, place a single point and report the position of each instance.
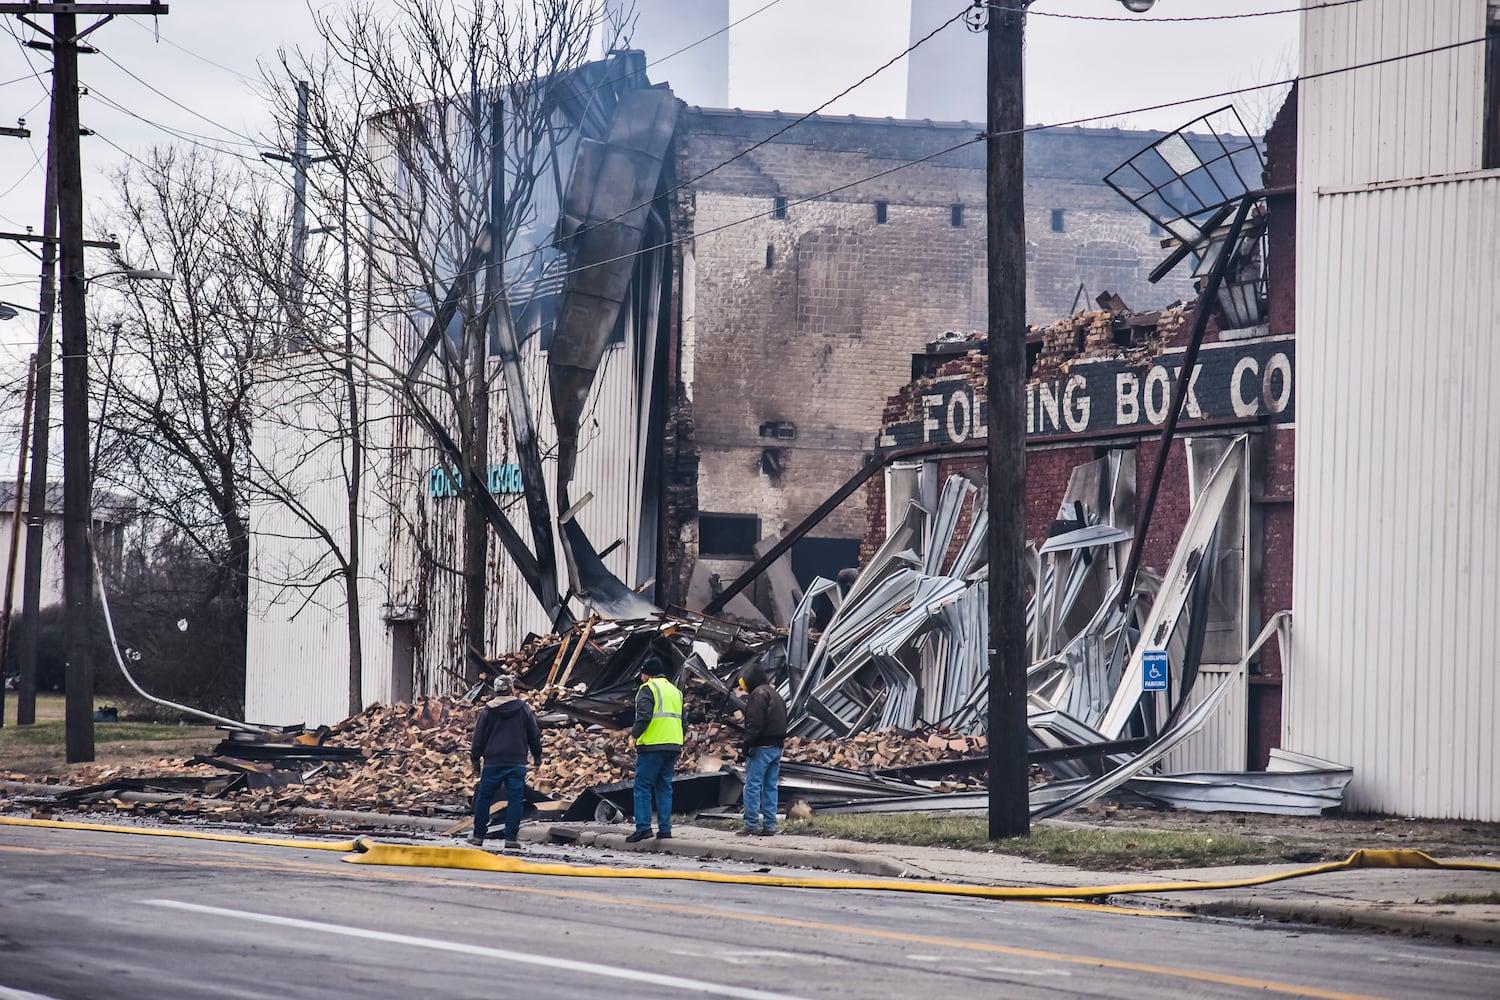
(1396, 639)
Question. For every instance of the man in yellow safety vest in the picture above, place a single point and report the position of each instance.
(658, 742)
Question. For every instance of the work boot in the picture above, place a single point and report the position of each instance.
(747, 831)
(764, 832)
(638, 836)
(512, 845)
(475, 841)
(664, 835)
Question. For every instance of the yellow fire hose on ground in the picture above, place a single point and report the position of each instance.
(363, 851)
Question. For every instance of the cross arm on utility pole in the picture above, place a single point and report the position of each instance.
(32, 238)
(83, 8)
(19, 133)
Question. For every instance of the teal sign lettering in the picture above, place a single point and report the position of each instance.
(499, 478)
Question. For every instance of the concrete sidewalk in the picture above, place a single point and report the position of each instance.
(1401, 900)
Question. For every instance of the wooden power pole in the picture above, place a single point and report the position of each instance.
(1009, 807)
(78, 569)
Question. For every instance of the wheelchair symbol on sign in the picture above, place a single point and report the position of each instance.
(1154, 670)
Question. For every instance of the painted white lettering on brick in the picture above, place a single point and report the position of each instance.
(1276, 401)
(930, 402)
(1047, 403)
(1127, 399)
(1157, 394)
(1076, 404)
(1243, 407)
(960, 414)
(1194, 410)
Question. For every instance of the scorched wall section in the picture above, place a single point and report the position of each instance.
(801, 308)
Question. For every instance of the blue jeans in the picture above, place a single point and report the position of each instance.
(762, 774)
(513, 778)
(653, 776)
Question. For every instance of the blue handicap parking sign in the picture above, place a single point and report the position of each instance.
(1154, 670)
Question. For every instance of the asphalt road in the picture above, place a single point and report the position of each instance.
(98, 916)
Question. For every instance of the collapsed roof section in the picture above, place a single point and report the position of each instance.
(571, 285)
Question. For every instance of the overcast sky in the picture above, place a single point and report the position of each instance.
(194, 72)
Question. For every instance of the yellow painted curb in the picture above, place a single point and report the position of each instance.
(477, 860)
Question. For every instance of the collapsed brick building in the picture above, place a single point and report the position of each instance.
(1099, 384)
(813, 264)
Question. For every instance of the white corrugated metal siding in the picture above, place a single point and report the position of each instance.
(297, 654)
(607, 466)
(1396, 633)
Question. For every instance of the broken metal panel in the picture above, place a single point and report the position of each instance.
(1286, 793)
(797, 634)
(903, 486)
(955, 492)
(1185, 179)
(1177, 586)
(605, 214)
(1187, 726)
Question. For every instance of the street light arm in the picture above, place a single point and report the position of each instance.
(8, 310)
(134, 274)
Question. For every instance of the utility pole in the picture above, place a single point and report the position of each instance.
(78, 575)
(15, 519)
(19, 132)
(1009, 805)
(300, 161)
(36, 503)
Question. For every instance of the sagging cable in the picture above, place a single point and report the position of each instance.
(114, 644)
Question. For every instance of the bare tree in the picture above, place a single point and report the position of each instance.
(411, 109)
(175, 398)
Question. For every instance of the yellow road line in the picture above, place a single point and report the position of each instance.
(634, 903)
(342, 846)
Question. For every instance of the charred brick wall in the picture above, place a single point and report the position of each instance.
(806, 313)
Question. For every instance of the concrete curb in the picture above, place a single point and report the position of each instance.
(690, 847)
(384, 820)
(1361, 915)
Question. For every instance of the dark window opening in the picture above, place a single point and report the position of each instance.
(1033, 355)
(1057, 221)
(770, 256)
(772, 462)
(779, 207)
(1492, 91)
(731, 536)
(881, 210)
(956, 216)
(815, 557)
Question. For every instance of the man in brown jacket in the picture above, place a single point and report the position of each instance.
(765, 735)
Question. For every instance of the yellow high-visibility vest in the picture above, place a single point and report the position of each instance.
(665, 728)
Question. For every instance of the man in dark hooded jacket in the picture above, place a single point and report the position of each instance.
(504, 733)
(765, 734)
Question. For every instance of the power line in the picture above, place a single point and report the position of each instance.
(201, 58)
(554, 244)
(1253, 87)
(174, 101)
(983, 136)
(191, 138)
(1178, 20)
(714, 35)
